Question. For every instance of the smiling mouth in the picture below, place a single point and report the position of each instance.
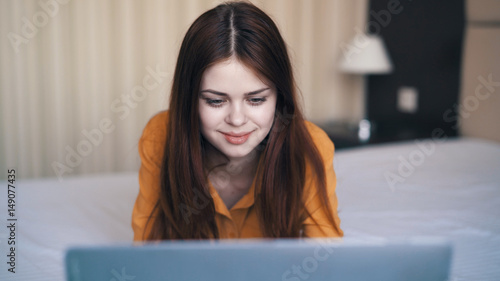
(236, 138)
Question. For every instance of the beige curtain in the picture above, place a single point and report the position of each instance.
(79, 79)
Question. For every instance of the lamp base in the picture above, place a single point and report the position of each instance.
(364, 130)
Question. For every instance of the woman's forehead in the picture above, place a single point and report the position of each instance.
(230, 75)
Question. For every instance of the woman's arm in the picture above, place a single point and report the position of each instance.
(318, 224)
(151, 153)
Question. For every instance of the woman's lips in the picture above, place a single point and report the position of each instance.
(234, 138)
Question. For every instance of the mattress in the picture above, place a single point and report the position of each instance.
(449, 189)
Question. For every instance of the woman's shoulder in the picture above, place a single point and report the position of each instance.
(323, 143)
(156, 128)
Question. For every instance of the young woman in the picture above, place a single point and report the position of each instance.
(233, 156)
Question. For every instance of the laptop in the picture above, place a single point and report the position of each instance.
(264, 259)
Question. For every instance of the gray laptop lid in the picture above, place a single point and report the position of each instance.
(256, 260)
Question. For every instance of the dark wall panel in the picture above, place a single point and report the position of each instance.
(424, 41)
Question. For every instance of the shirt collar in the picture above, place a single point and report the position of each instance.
(245, 202)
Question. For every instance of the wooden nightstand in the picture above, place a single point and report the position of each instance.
(343, 134)
(346, 135)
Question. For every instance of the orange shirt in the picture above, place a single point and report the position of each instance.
(241, 220)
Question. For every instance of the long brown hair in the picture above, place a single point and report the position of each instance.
(185, 209)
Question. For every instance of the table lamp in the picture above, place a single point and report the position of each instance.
(366, 55)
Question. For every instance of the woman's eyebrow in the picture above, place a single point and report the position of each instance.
(224, 94)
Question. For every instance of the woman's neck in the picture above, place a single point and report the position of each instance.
(237, 171)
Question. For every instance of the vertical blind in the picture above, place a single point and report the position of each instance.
(79, 79)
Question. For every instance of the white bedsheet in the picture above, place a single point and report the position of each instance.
(54, 215)
(454, 193)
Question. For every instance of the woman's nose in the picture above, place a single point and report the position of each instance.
(236, 117)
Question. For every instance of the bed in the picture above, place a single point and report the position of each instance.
(453, 192)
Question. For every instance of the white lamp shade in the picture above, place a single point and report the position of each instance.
(366, 55)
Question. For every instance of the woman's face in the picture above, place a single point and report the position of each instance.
(236, 108)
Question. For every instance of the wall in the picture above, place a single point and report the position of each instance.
(480, 99)
(68, 69)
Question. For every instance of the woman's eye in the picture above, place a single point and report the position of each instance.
(214, 102)
(256, 101)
